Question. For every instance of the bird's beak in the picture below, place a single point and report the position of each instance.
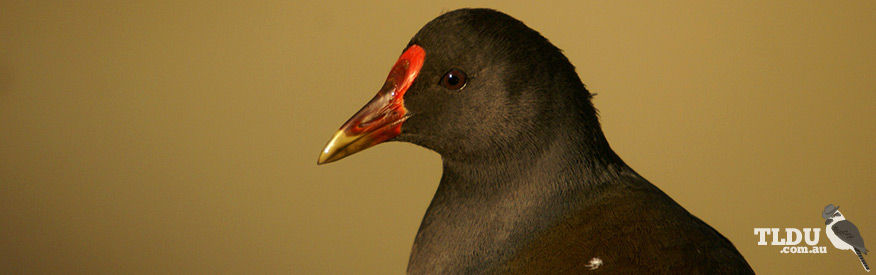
(828, 221)
(382, 117)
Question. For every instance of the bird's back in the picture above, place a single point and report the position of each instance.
(631, 229)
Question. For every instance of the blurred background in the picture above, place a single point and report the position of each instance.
(182, 137)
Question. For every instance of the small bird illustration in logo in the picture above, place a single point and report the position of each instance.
(843, 234)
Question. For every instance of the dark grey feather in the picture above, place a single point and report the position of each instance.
(848, 232)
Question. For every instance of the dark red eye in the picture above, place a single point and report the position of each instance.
(455, 79)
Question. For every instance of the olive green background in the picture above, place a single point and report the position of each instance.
(181, 137)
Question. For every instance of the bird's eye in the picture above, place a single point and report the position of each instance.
(454, 79)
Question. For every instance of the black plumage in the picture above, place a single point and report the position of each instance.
(530, 183)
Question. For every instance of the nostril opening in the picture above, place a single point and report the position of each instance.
(365, 124)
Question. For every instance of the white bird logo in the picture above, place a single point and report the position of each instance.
(843, 234)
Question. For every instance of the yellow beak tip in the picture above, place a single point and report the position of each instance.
(337, 148)
(323, 159)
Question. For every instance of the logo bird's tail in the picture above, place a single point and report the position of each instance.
(861, 257)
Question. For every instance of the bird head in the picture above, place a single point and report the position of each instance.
(469, 84)
(838, 216)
